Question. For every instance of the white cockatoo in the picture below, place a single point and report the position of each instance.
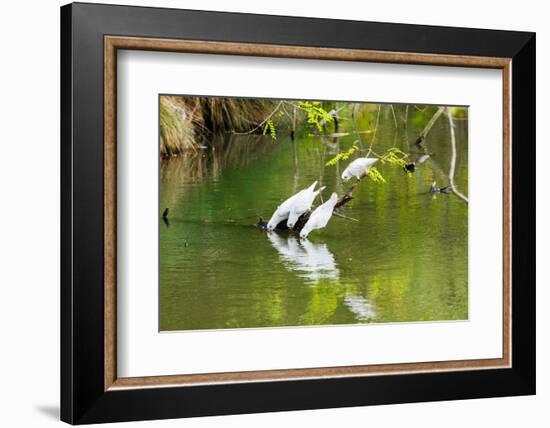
(320, 217)
(302, 204)
(283, 211)
(358, 168)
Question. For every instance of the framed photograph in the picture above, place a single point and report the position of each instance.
(266, 213)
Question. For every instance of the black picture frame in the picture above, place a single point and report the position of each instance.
(83, 398)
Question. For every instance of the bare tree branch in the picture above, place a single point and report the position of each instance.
(394, 117)
(375, 129)
(429, 125)
(453, 158)
(262, 122)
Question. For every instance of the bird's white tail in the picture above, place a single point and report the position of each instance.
(312, 187)
(319, 190)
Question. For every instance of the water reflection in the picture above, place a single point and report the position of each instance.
(363, 310)
(311, 261)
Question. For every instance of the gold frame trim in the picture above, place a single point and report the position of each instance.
(113, 43)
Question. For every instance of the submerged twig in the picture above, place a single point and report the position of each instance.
(337, 214)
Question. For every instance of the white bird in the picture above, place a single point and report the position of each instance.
(283, 211)
(358, 168)
(302, 204)
(320, 217)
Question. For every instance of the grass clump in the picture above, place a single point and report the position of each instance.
(186, 121)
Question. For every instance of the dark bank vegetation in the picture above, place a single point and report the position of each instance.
(187, 122)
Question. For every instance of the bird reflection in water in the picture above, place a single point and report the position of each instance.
(361, 308)
(311, 261)
(315, 262)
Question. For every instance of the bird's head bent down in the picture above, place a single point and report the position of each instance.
(292, 219)
(346, 175)
(274, 221)
(320, 217)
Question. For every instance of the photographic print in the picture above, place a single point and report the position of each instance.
(286, 213)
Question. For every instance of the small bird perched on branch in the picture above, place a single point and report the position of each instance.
(358, 168)
(320, 217)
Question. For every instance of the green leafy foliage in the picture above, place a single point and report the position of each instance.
(316, 114)
(342, 156)
(459, 112)
(394, 156)
(269, 127)
(375, 175)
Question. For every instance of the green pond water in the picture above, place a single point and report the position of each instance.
(404, 260)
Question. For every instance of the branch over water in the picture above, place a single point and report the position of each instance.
(453, 158)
